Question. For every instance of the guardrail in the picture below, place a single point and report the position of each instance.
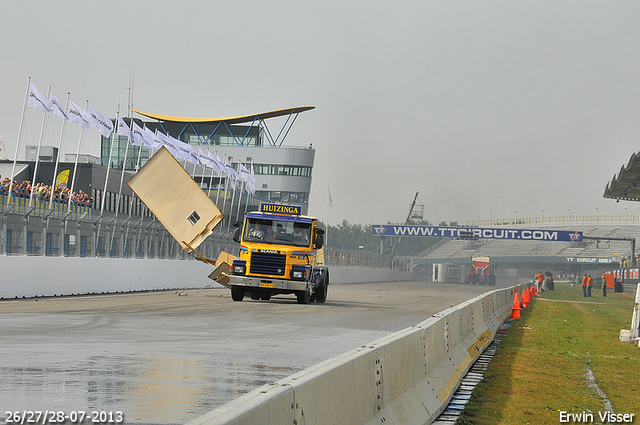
(20, 205)
(554, 219)
(406, 377)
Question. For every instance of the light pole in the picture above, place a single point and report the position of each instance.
(625, 213)
(542, 213)
(489, 218)
(569, 214)
(596, 213)
(516, 212)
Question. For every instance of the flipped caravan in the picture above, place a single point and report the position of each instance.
(448, 273)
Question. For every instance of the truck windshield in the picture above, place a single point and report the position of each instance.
(277, 232)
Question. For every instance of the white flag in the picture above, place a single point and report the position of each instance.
(38, 100)
(233, 176)
(123, 128)
(215, 163)
(169, 144)
(136, 134)
(56, 107)
(186, 151)
(330, 198)
(243, 172)
(78, 115)
(99, 121)
(204, 159)
(150, 139)
(245, 175)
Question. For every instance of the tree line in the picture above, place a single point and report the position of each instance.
(360, 237)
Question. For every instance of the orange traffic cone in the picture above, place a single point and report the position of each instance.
(515, 310)
(525, 298)
(535, 290)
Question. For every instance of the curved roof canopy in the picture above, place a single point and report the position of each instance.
(229, 120)
(626, 184)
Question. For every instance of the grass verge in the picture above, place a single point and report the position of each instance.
(539, 368)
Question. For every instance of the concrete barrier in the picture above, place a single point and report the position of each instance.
(406, 377)
(25, 276)
(36, 276)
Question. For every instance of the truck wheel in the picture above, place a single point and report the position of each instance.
(265, 296)
(255, 295)
(322, 288)
(304, 296)
(237, 293)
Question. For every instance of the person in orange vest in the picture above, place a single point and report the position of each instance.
(540, 276)
(589, 283)
(584, 286)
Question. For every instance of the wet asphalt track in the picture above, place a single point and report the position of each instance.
(169, 357)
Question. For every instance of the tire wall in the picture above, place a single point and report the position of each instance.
(406, 377)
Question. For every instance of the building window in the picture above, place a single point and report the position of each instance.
(282, 170)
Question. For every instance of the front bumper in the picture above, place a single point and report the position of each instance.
(268, 283)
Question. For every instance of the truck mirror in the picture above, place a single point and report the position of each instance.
(237, 227)
(319, 238)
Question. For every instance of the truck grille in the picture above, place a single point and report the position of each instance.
(273, 264)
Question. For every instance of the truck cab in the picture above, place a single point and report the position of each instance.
(280, 253)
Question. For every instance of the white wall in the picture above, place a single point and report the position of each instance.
(31, 276)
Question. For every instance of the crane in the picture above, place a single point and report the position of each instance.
(413, 204)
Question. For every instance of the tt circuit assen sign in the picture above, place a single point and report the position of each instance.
(477, 233)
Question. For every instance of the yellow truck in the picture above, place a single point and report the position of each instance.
(280, 253)
(280, 249)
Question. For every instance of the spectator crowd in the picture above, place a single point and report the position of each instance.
(42, 192)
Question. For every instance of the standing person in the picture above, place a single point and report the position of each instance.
(540, 276)
(604, 286)
(584, 286)
(589, 283)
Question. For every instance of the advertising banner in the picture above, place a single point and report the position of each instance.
(477, 233)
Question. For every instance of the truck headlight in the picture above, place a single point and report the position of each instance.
(239, 267)
(300, 272)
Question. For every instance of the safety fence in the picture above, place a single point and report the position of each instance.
(341, 257)
(81, 232)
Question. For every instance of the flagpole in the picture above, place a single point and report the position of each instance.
(35, 169)
(226, 185)
(15, 155)
(210, 178)
(104, 192)
(246, 205)
(75, 165)
(55, 169)
(133, 195)
(233, 197)
(326, 231)
(219, 179)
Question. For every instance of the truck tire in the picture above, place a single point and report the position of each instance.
(304, 297)
(255, 295)
(321, 291)
(237, 293)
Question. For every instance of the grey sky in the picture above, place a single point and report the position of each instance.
(497, 106)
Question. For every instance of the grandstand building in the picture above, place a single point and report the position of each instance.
(283, 173)
(525, 258)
